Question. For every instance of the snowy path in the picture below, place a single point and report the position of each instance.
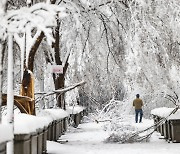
(88, 139)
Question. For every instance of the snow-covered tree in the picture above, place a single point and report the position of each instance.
(27, 25)
(112, 45)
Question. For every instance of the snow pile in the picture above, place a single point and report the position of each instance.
(74, 109)
(165, 112)
(5, 133)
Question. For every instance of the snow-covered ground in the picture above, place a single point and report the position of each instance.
(89, 138)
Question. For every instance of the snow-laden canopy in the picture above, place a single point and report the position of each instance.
(40, 16)
(27, 23)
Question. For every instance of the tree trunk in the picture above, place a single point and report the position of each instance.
(33, 52)
(35, 47)
(58, 79)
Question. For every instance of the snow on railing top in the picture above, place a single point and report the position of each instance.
(164, 112)
(5, 133)
(26, 124)
(74, 109)
(55, 113)
(161, 112)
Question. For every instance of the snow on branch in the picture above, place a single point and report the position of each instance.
(70, 88)
(41, 16)
(123, 3)
(60, 91)
(90, 7)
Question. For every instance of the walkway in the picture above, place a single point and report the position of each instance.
(88, 139)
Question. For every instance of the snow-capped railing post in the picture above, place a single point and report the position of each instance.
(10, 93)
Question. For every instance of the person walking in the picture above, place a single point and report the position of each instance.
(138, 103)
